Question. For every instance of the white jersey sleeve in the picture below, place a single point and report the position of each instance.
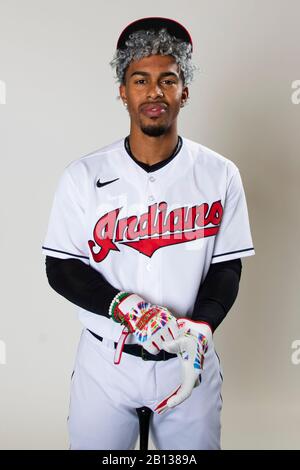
(234, 238)
(65, 237)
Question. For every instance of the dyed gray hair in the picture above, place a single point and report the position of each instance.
(144, 43)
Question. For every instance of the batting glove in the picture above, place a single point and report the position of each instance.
(152, 325)
(191, 347)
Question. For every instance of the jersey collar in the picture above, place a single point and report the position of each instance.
(155, 166)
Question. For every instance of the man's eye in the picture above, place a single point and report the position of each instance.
(168, 82)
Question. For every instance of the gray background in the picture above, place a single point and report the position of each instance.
(61, 104)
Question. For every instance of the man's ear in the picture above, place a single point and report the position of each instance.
(122, 92)
(184, 96)
(185, 93)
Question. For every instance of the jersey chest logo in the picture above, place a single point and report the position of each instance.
(100, 185)
(157, 228)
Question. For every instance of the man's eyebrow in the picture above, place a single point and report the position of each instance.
(146, 74)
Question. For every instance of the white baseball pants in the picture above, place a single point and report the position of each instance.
(104, 398)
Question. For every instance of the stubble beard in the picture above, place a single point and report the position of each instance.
(154, 130)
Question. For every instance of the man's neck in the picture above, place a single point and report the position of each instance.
(152, 150)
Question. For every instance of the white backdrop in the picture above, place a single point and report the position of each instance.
(57, 103)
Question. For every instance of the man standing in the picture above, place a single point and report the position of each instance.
(146, 237)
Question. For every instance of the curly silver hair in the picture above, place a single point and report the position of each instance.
(148, 42)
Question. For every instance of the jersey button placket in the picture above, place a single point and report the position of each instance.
(144, 263)
(151, 197)
(147, 264)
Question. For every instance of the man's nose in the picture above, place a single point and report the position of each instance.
(155, 90)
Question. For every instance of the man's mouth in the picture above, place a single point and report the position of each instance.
(154, 110)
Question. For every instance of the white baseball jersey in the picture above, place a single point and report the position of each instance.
(152, 233)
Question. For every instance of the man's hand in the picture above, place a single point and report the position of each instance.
(191, 347)
(152, 325)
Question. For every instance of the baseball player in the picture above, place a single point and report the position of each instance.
(146, 237)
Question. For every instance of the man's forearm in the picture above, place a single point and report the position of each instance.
(80, 284)
(218, 292)
(87, 288)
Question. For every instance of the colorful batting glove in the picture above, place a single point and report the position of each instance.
(191, 347)
(152, 325)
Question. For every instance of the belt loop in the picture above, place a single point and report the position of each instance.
(108, 343)
(143, 355)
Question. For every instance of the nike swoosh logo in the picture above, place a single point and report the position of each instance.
(100, 185)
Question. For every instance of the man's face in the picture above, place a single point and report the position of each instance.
(154, 93)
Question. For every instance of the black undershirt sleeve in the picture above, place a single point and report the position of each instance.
(80, 284)
(87, 288)
(218, 292)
